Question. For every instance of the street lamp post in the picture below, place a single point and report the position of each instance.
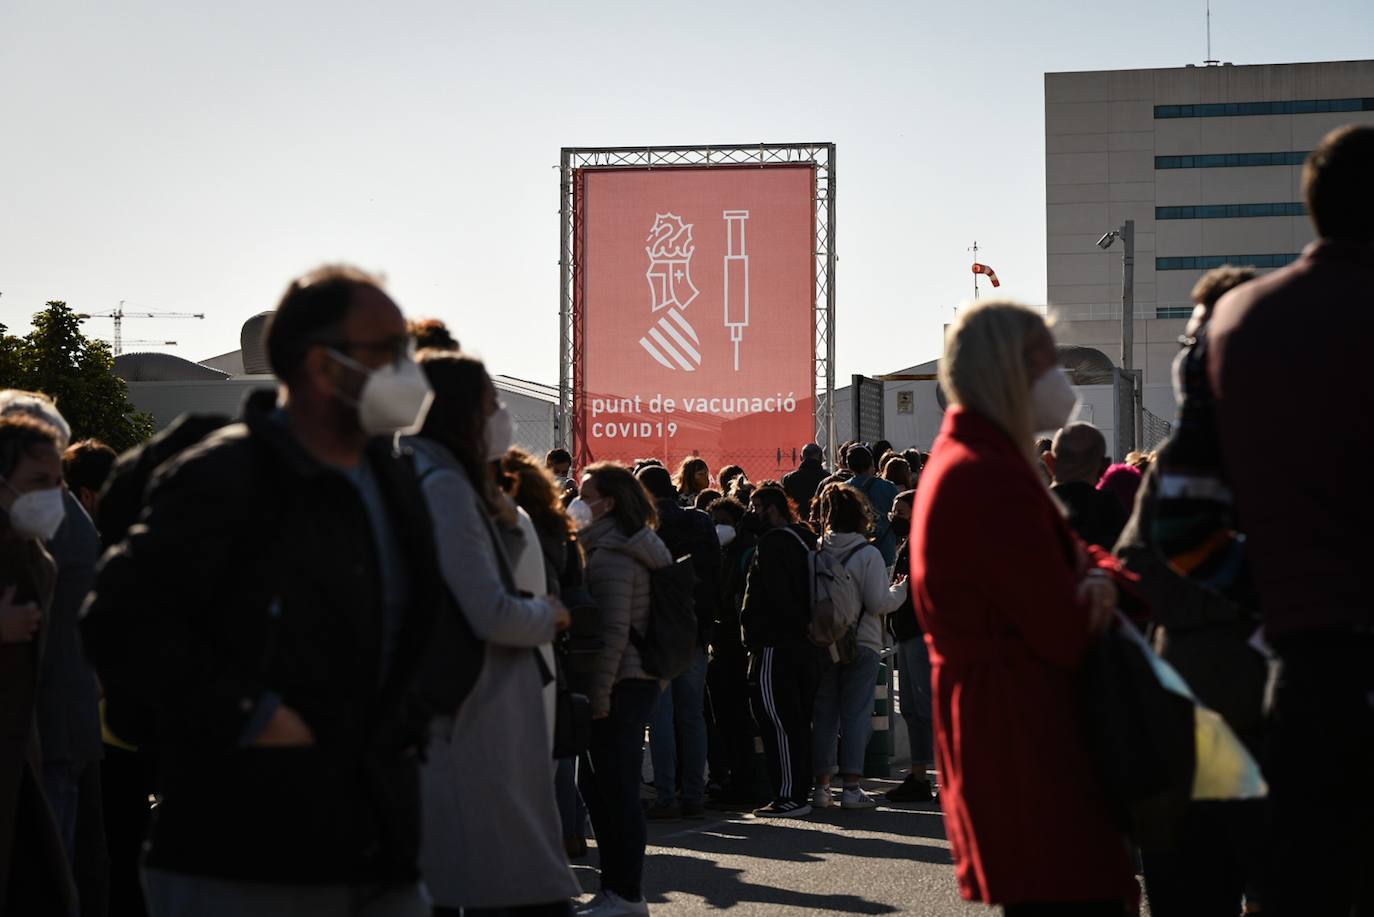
(1127, 236)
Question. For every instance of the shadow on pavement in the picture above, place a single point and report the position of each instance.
(722, 887)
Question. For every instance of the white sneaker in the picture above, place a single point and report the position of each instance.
(821, 798)
(854, 797)
(609, 904)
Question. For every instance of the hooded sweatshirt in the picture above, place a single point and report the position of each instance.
(618, 578)
(869, 569)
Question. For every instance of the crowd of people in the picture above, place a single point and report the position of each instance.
(356, 652)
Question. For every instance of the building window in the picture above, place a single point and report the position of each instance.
(1173, 312)
(1230, 160)
(1207, 262)
(1237, 109)
(1230, 211)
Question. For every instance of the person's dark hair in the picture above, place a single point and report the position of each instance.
(1080, 451)
(657, 482)
(896, 470)
(1219, 281)
(913, 460)
(1044, 444)
(537, 493)
(689, 469)
(743, 490)
(87, 464)
(457, 418)
(842, 508)
(706, 498)
(431, 333)
(558, 457)
(729, 506)
(641, 464)
(860, 459)
(1338, 184)
(880, 449)
(727, 475)
(20, 435)
(772, 494)
(907, 496)
(310, 312)
(634, 508)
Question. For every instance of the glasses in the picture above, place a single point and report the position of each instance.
(391, 350)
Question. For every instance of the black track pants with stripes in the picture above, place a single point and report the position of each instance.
(782, 684)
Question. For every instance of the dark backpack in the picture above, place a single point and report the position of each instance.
(670, 642)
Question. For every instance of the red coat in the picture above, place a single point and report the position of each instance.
(994, 575)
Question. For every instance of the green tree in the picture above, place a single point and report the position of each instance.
(78, 373)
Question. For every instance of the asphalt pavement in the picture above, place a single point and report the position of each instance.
(889, 860)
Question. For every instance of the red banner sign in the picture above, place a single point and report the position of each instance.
(694, 306)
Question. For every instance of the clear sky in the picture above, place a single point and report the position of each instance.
(194, 157)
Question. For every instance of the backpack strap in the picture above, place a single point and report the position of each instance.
(800, 540)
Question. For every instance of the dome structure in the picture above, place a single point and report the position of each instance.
(162, 367)
(253, 347)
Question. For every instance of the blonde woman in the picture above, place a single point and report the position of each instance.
(1010, 605)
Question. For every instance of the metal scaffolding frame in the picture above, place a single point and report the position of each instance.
(574, 160)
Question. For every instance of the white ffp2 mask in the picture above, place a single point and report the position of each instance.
(394, 399)
(500, 434)
(1052, 400)
(38, 513)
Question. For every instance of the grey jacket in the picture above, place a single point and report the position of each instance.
(68, 699)
(618, 578)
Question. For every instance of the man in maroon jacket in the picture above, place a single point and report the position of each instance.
(1294, 348)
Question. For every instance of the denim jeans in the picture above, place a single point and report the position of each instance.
(844, 705)
(609, 777)
(683, 702)
(62, 785)
(913, 698)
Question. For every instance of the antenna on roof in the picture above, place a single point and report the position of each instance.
(1209, 62)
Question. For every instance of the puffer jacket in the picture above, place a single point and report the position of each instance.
(880, 596)
(618, 577)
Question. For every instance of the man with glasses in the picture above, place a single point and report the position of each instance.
(272, 609)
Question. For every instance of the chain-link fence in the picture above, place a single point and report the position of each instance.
(1155, 429)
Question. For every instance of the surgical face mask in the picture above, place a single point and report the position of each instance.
(726, 534)
(1052, 400)
(394, 399)
(500, 434)
(580, 511)
(38, 513)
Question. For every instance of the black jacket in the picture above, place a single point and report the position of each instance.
(690, 532)
(1201, 633)
(800, 485)
(253, 570)
(777, 597)
(903, 622)
(1095, 515)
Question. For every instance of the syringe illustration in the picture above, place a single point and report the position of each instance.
(672, 341)
(736, 278)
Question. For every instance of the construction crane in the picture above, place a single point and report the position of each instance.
(118, 314)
